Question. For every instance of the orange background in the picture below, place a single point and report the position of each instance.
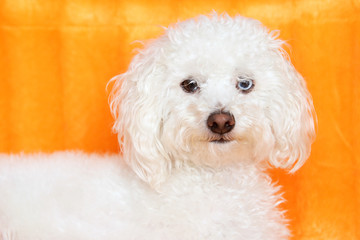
(57, 56)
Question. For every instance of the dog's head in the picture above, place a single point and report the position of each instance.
(211, 91)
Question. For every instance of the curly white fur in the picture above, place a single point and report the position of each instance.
(161, 127)
(178, 183)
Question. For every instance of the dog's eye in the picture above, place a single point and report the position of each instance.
(189, 86)
(245, 84)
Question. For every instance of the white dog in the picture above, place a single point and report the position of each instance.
(199, 113)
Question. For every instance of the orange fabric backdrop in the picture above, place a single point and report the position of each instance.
(57, 56)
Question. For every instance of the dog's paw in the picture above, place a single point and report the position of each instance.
(7, 235)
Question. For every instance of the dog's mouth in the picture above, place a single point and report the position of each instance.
(221, 140)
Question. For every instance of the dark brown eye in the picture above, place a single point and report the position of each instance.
(245, 84)
(189, 86)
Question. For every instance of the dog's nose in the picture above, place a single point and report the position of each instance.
(221, 122)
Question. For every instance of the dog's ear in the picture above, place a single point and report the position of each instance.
(292, 118)
(137, 106)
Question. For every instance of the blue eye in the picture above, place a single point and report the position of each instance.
(245, 84)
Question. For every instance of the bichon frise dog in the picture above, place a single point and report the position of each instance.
(200, 114)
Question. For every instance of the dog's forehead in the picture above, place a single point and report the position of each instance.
(213, 57)
(211, 53)
(215, 48)
(219, 35)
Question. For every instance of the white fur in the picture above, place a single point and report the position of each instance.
(176, 183)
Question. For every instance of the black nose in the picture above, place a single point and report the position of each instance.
(221, 122)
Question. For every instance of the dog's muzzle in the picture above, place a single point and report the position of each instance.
(221, 122)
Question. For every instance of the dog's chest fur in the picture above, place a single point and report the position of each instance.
(78, 196)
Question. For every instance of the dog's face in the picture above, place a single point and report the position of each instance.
(212, 91)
